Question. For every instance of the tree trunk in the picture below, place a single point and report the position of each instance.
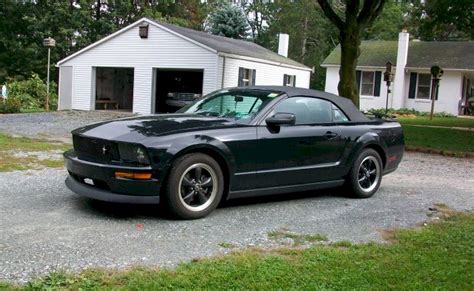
(350, 42)
(305, 40)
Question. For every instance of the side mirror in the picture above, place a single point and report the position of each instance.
(281, 118)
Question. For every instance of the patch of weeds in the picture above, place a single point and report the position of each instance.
(342, 244)
(226, 245)
(298, 239)
(441, 210)
(10, 163)
(19, 153)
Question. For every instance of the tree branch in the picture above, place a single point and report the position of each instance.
(331, 14)
(370, 10)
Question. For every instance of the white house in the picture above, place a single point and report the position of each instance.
(142, 66)
(411, 87)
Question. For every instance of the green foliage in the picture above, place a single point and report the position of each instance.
(434, 257)
(312, 36)
(406, 111)
(10, 105)
(442, 20)
(32, 93)
(389, 23)
(228, 20)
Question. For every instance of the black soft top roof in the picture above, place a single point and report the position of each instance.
(344, 104)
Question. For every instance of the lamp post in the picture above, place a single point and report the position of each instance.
(49, 43)
(387, 77)
(436, 74)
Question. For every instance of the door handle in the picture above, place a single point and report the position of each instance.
(330, 134)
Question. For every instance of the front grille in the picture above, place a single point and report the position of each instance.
(95, 149)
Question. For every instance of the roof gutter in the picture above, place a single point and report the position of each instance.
(257, 60)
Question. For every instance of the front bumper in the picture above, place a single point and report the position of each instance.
(105, 186)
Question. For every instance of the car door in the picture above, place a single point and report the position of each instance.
(306, 152)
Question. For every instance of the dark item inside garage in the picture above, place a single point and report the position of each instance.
(114, 89)
(177, 88)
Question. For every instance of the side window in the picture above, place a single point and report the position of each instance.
(338, 115)
(307, 110)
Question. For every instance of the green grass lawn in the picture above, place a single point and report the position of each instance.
(438, 256)
(445, 139)
(9, 146)
(460, 141)
(438, 121)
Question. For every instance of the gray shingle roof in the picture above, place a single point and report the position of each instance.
(230, 46)
(421, 54)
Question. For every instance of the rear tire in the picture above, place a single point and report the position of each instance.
(365, 176)
(194, 186)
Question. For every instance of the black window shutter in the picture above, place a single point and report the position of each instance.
(284, 79)
(412, 88)
(294, 81)
(358, 75)
(253, 77)
(378, 83)
(241, 77)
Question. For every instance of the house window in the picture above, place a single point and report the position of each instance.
(369, 82)
(289, 80)
(420, 86)
(246, 77)
(423, 90)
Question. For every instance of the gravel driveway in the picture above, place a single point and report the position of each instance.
(53, 125)
(45, 227)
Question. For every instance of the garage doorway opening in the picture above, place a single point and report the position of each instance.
(176, 88)
(114, 88)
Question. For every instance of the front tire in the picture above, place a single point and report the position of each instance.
(365, 176)
(194, 187)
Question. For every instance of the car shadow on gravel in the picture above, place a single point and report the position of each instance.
(324, 193)
(126, 211)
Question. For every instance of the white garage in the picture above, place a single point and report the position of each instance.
(154, 67)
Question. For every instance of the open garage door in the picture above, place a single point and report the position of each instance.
(176, 88)
(114, 88)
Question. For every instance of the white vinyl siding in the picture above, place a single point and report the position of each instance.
(266, 74)
(161, 49)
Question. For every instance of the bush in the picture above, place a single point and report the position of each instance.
(32, 93)
(406, 111)
(10, 105)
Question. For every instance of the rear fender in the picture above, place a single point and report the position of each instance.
(369, 139)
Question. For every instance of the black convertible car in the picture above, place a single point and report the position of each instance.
(233, 143)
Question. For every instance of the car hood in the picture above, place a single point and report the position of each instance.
(137, 128)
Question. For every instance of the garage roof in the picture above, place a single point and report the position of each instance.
(216, 43)
(229, 45)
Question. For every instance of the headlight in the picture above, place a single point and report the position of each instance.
(130, 153)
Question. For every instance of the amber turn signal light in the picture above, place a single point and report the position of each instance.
(134, 176)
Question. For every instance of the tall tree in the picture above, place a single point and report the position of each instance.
(442, 20)
(228, 20)
(312, 35)
(351, 17)
(390, 22)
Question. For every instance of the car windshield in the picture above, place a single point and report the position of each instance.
(239, 105)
